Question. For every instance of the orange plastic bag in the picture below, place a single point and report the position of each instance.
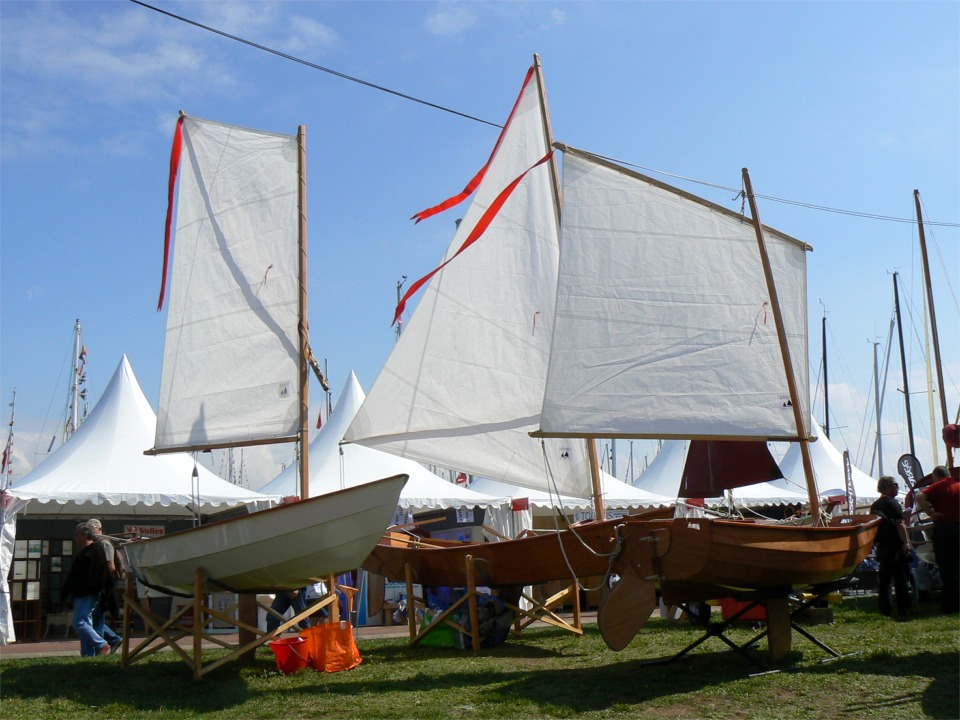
(331, 647)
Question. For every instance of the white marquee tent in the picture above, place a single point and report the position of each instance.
(827, 468)
(617, 495)
(102, 471)
(334, 466)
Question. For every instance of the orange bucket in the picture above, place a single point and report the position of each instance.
(290, 653)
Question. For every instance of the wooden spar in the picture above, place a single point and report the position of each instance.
(548, 134)
(903, 363)
(302, 325)
(785, 352)
(933, 319)
(598, 509)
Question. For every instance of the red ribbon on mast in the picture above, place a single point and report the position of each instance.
(472, 185)
(174, 169)
(474, 235)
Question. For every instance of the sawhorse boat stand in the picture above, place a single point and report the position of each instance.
(782, 612)
(193, 620)
(542, 611)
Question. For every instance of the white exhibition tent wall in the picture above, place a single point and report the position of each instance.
(101, 471)
(827, 468)
(334, 467)
(617, 495)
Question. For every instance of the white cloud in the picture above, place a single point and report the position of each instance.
(65, 66)
(308, 36)
(558, 16)
(450, 19)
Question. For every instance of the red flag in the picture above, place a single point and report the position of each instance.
(319, 418)
(461, 478)
(171, 183)
(474, 235)
(472, 185)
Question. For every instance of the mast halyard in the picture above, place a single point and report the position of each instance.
(933, 320)
(802, 432)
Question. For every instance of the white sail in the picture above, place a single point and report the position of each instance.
(464, 383)
(664, 326)
(231, 352)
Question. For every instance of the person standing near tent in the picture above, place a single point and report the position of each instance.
(941, 501)
(892, 549)
(86, 582)
(113, 563)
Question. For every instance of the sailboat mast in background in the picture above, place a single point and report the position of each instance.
(78, 393)
(6, 467)
(933, 323)
(903, 363)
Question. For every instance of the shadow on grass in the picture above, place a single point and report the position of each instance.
(601, 680)
(162, 683)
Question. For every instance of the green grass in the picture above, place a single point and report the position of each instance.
(893, 670)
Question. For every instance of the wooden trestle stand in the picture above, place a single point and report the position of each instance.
(193, 620)
(542, 611)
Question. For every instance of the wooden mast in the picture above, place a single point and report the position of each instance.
(302, 324)
(933, 320)
(802, 432)
(599, 512)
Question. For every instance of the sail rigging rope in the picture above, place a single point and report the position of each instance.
(557, 511)
(405, 96)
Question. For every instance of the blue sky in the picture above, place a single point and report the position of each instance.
(846, 105)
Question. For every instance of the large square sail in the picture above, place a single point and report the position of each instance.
(664, 325)
(231, 357)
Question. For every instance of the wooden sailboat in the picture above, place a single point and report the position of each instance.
(235, 368)
(666, 322)
(642, 349)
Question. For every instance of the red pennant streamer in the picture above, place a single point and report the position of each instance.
(174, 168)
(472, 185)
(474, 235)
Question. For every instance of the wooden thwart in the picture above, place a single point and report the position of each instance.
(171, 631)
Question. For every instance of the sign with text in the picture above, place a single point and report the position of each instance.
(147, 531)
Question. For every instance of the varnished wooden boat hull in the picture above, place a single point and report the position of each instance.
(700, 559)
(581, 551)
(689, 559)
(283, 547)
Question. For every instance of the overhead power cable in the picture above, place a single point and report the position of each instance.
(374, 86)
(294, 58)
